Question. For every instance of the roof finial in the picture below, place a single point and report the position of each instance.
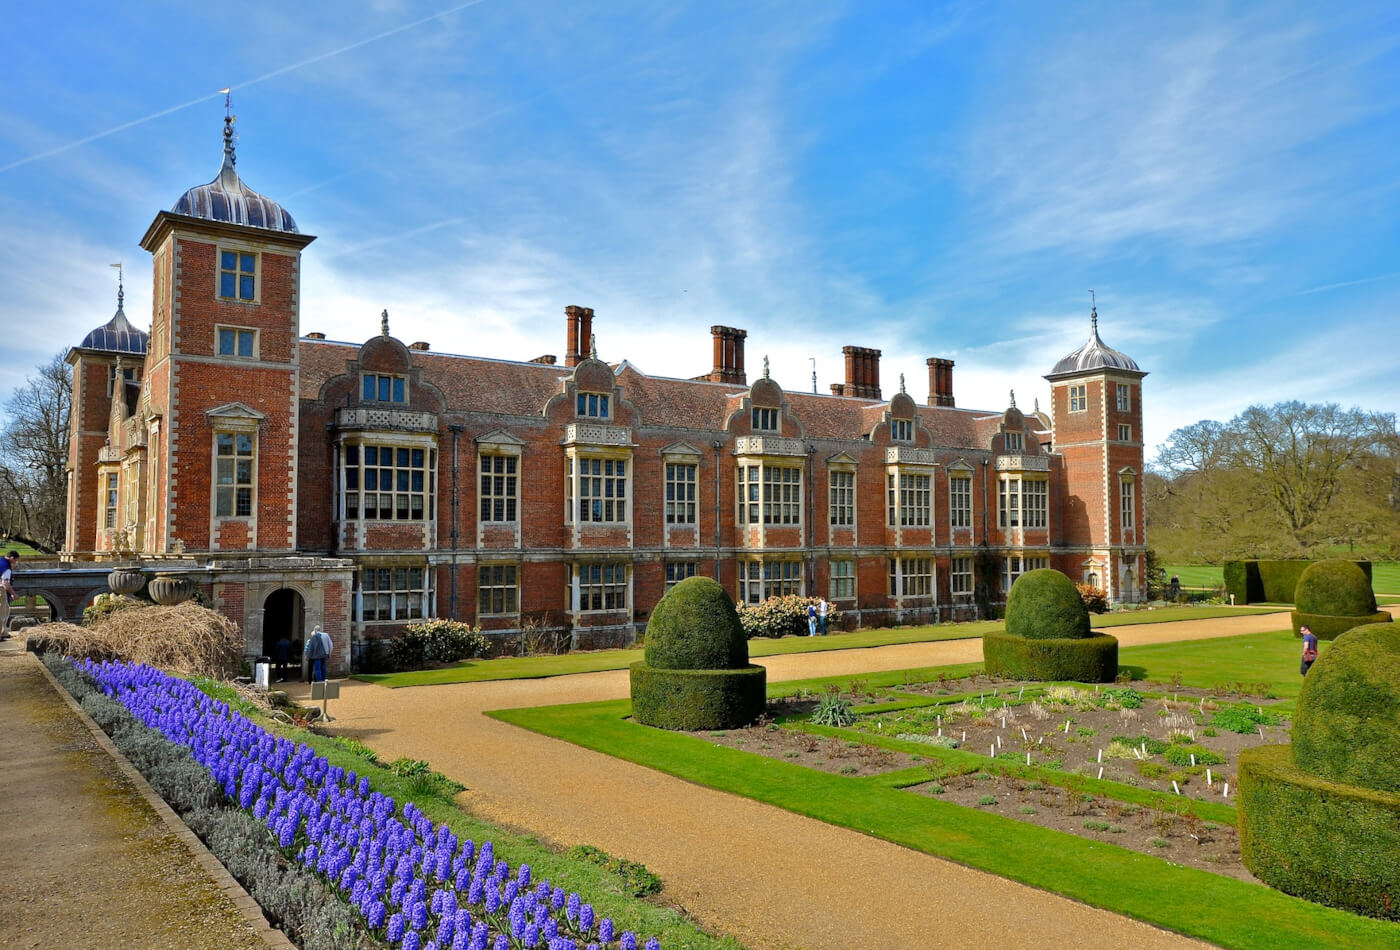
(384, 322)
(1037, 405)
(592, 346)
(901, 382)
(1013, 399)
(121, 293)
(765, 365)
(1093, 313)
(229, 119)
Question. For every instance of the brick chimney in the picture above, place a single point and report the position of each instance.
(729, 355)
(862, 373)
(548, 359)
(940, 381)
(419, 345)
(580, 324)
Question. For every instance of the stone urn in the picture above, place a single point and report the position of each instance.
(125, 582)
(170, 589)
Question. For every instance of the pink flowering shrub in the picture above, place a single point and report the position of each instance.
(782, 616)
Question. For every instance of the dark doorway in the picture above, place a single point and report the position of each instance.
(283, 612)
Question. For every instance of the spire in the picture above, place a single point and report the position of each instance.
(765, 365)
(227, 176)
(1093, 313)
(121, 293)
(384, 322)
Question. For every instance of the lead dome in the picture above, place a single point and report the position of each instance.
(1094, 355)
(117, 335)
(228, 199)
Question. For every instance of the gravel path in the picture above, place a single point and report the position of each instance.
(773, 879)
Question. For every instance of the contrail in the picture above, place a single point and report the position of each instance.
(1346, 283)
(242, 85)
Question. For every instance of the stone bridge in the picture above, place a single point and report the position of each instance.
(68, 588)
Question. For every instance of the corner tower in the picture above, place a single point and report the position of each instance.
(222, 369)
(1096, 412)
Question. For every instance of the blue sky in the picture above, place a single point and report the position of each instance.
(932, 180)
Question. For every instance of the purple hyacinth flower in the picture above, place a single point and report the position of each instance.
(532, 935)
(376, 915)
(502, 943)
(585, 918)
(653, 944)
(571, 907)
(629, 940)
(605, 930)
(410, 940)
(523, 875)
(418, 916)
(395, 931)
(557, 899)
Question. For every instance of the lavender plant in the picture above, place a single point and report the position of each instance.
(413, 882)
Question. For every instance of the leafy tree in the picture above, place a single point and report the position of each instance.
(33, 481)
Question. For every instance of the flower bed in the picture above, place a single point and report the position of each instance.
(415, 885)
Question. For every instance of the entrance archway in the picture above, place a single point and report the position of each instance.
(284, 612)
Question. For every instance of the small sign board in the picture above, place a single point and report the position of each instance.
(323, 689)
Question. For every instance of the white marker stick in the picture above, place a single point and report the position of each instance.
(1024, 737)
(1208, 779)
(1101, 755)
(1174, 788)
(993, 753)
(1193, 758)
(1226, 793)
(1100, 771)
(1028, 758)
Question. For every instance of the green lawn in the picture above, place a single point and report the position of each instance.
(24, 550)
(538, 667)
(1222, 910)
(1385, 576)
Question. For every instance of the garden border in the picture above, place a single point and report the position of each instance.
(225, 881)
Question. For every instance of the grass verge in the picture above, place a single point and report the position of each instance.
(539, 667)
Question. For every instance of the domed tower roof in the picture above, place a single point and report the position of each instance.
(228, 199)
(117, 335)
(1094, 356)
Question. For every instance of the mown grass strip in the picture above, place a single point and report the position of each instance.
(539, 667)
(1226, 911)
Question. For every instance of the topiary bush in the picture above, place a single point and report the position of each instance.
(1332, 597)
(1045, 605)
(1047, 635)
(1320, 818)
(1274, 582)
(696, 674)
(1347, 725)
(695, 627)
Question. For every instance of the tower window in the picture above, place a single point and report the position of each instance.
(238, 275)
(1125, 433)
(765, 420)
(235, 470)
(902, 430)
(1078, 398)
(381, 387)
(1125, 399)
(234, 341)
(593, 405)
(1015, 442)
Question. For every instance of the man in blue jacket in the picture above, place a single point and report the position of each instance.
(318, 650)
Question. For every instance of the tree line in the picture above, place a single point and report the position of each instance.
(33, 463)
(1288, 480)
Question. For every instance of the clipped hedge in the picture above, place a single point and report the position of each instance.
(694, 627)
(1327, 627)
(1046, 605)
(1335, 587)
(1255, 581)
(698, 699)
(1347, 724)
(1091, 659)
(1323, 841)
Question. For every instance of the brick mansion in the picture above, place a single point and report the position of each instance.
(364, 485)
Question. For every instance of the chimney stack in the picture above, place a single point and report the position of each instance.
(420, 345)
(580, 326)
(729, 355)
(548, 358)
(862, 373)
(940, 382)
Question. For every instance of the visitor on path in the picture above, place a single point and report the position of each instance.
(1309, 650)
(821, 614)
(7, 587)
(811, 620)
(318, 650)
(284, 657)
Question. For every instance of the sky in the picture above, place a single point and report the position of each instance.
(927, 179)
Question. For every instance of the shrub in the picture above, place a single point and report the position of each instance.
(987, 800)
(697, 699)
(1181, 755)
(1045, 605)
(1243, 718)
(1125, 696)
(833, 711)
(695, 627)
(636, 879)
(1272, 581)
(1318, 839)
(104, 605)
(1335, 587)
(1347, 725)
(1327, 627)
(433, 641)
(1095, 598)
(1095, 824)
(1092, 659)
(782, 616)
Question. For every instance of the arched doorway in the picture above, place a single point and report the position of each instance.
(284, 612)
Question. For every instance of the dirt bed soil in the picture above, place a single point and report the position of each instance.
(1183, 839)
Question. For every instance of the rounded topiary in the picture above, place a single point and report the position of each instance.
(1045, 605)
(1332, 597)
(696, 627)
(1347, 725)
(697, 674)
(1336, 588)
(1047, 635)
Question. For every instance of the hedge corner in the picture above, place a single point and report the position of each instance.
(1091, 659)
(698, 699)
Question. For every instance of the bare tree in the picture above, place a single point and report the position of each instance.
(33, 485)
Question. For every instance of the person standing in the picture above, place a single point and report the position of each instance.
(822, 608)
(1309, 650)
(318, 650)
(7, 588)
(811, 620)
(284, 656)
